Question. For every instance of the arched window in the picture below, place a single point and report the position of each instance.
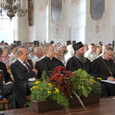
(7, 28)
(79, 21)
(4, 28)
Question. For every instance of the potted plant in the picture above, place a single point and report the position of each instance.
(60, 89)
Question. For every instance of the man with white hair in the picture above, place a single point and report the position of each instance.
(69, 54)
(38, 54)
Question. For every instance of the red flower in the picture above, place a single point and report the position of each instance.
(62, 79)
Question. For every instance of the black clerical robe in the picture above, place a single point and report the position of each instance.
(104, 69)
(48, 65)
(74, 63)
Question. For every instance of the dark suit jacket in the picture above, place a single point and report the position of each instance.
(6, 76)
(9, 90)
(43, 65)
(21, 74)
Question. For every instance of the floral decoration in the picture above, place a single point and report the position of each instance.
(62, 85)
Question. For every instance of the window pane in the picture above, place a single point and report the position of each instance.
(4, 35)
(5, 23)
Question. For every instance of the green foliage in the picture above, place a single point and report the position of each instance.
(63, 84)
(84, 83)
(43, 90)
(96, 87)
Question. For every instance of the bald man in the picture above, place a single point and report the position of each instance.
(22, 69)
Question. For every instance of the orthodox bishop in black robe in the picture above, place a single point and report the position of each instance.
(104, 67)
(74, 63)
(79, 61)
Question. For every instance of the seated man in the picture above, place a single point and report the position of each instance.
(16, 99)
(104, 67)
(22, 69)
(38, 54)
(79, 61)
(49, 62)
(91, 54)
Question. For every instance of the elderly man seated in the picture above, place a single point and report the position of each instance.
(22, 70)
(104, 67)
(16, 98)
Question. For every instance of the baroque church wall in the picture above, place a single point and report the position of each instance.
(96, 30)
(99, 30)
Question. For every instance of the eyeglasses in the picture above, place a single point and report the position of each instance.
(109, 54)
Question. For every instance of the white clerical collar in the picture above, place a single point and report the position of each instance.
(49, 58)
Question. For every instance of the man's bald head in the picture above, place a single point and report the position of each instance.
(22, 54)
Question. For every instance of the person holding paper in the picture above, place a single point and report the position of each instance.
(104, 67)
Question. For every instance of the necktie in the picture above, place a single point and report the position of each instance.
(28, 66)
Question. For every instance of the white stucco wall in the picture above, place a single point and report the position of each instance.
(104, 33)
(44, 29)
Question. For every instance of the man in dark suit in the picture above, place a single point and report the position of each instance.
(49, 62)
(16, 99)
(22, 69)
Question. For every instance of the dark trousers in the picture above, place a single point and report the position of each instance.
(110, 88)
(16, 99)
(103, 90)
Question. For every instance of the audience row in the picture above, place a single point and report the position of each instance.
(27, 63)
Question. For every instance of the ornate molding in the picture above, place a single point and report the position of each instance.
(56, 30)
(73, 3)
(97, 28)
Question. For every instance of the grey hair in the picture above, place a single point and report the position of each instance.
(108, 48)
(36, 49)
(57, 49)
(46, 48)
(6, 48)
(31, 49)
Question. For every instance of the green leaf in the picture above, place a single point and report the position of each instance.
(80, 101)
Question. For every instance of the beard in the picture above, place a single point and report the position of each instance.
(82, 58)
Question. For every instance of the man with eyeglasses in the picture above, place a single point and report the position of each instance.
(104, 67)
